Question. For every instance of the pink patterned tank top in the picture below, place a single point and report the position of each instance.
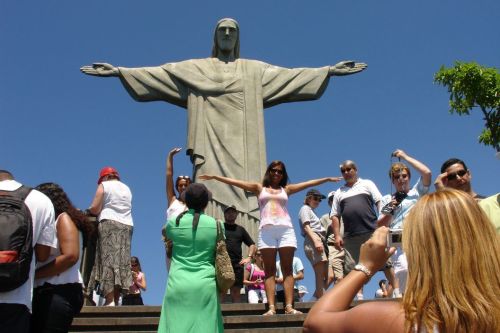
(273, 211)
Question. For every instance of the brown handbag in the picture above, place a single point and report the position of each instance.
(223, 268)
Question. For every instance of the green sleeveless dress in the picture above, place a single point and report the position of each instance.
(191, 303)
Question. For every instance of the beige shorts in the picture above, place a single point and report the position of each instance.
(336, 261)
(311, 253)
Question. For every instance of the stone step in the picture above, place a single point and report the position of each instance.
(242, 330)
(229, 309)
(266, 330)
(239, 317)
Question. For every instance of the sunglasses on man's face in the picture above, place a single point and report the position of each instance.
(344, 170)
(402, 175)
(453, 176)
(183, 177)
(318, 199)
(277, 171)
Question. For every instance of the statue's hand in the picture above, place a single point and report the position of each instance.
(347, 68)
(100, 69)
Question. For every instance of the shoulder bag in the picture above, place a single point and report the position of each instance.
(223, 269)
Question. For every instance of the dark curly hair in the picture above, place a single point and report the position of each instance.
(62, 204)
(267, 176)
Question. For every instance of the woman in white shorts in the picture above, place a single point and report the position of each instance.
(276, 234)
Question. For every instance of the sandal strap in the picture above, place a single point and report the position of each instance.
(271, 311)
(290, 310)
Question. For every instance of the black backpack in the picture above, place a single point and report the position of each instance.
(16, 239)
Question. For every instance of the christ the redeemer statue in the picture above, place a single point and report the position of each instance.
(225, 97)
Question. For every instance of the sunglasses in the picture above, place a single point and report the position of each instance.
(343, 170)
(276, 171)
(183, 177)
(318, 199)
(404, 176)
(134, 265)
(452, 176)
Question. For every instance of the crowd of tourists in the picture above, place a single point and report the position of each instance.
(41, 238)
(452, 286)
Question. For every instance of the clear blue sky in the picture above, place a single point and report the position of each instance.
(59, 125)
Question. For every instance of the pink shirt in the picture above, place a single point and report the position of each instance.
(255, 275)
(273, 211)
(134, 288)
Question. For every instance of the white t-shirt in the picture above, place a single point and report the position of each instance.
(379, 293)
(117, 202)
(306, 214)
(71, 275)
(42, 215)
(176, 208)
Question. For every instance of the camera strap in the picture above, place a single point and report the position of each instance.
(391, 162)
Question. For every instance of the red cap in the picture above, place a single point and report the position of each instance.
(106, 171)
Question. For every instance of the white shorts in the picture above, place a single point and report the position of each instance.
(256, 295)
(276, 236)
(400, 267)
(399, 261)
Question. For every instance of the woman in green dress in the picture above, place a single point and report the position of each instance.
(190, 303)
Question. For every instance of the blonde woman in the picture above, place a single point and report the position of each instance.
(453, 285)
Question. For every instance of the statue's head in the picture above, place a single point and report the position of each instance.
(226, 38)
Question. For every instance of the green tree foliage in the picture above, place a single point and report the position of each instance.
(471, 85)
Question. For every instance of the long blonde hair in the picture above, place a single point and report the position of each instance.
(453, 258)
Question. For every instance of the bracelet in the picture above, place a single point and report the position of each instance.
(362, 268)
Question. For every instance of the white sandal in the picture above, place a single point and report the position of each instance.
(271, 311)
(289, 310)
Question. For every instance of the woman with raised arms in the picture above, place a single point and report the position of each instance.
(276, 234)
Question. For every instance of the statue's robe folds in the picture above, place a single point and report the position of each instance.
(225, 117)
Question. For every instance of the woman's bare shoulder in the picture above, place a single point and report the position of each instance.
(373, 317)
(384, 316)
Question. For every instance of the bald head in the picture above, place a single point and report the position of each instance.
(5, 175)
(349, 171)
(348, 163)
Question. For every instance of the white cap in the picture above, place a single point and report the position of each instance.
(303, 289)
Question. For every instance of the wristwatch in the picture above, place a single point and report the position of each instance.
(362, 268)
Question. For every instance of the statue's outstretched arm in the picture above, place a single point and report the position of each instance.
(347, 68)
(100, 69)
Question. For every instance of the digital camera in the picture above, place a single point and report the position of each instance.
(399, 196)
(394, 237)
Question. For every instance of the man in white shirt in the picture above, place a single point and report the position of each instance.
(15, 305)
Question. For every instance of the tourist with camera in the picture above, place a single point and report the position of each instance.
(395, 207)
